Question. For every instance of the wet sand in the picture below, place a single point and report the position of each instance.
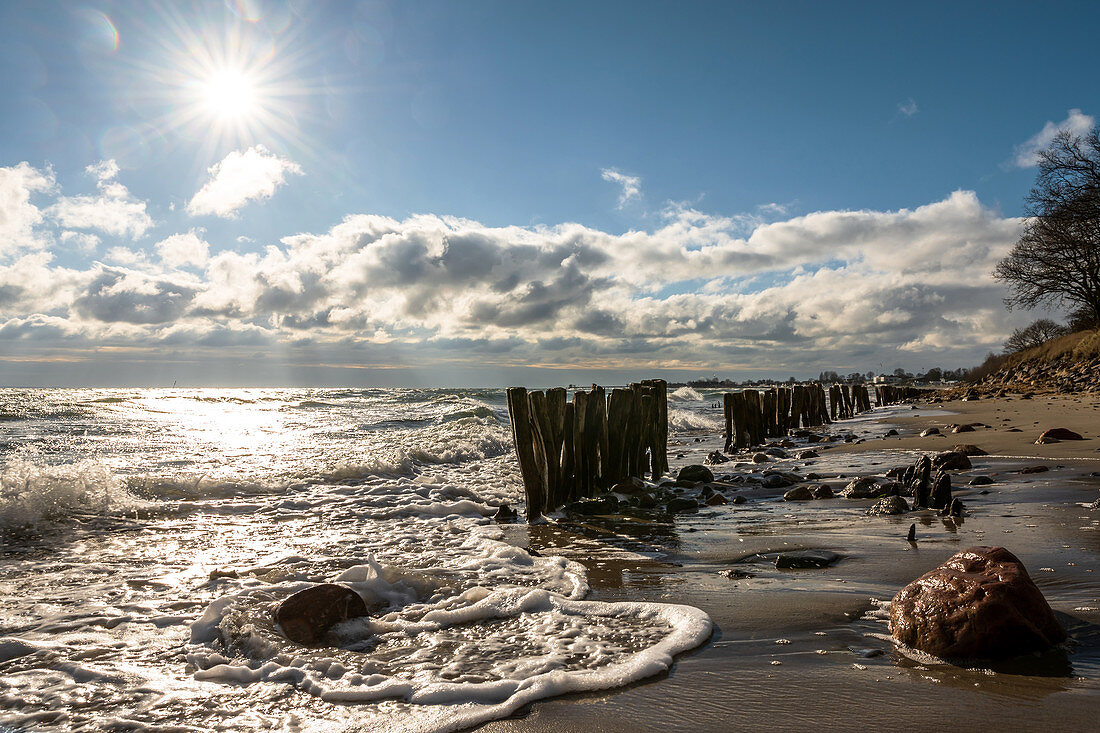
(795, 649)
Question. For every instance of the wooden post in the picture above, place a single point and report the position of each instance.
(520, 416)
(727, 411)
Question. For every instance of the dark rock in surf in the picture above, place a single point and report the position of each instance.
(951, 461)
(979, 604)
(981, 481)
(306, 616)
(803, 559)
(681, 504)
(889, 506)
(799, 493)
(695, 473)
(1034, 469)
(505, 514)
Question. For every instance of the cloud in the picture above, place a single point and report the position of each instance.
(699, 290)
(1076, 122)
(18, 216)
(83, 241)
(184, 249)
(241, 177)
(113, 210)
(631, 185)
(908, 107)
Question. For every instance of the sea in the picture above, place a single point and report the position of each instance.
(145, 535)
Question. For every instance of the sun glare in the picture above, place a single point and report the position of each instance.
(229, 94)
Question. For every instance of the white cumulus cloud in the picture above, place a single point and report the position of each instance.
(1076, 122)
(18, 216)
(187, 248)
(241, 177)
(113, 210)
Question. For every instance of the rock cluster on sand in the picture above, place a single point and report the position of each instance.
(979, 604)
(306, 616)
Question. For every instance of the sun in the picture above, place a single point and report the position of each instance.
(229, 94)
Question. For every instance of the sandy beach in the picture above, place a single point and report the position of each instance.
(795, 649)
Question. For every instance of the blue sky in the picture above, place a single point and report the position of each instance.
(622, 188)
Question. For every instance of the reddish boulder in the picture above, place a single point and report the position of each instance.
(307, 615)
(1055, 435)
(980, 603)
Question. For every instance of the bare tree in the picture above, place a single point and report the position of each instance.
(1057, 260)
(1037, 333)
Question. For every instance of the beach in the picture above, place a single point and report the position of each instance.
(795, 649)
(149, 532)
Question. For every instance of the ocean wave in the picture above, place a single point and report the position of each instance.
(688, 421)
(444, 661)
(31, 493)
(685, 394)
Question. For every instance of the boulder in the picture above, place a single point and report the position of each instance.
(803, 455)
(1060, 434)
(681, 504)
(968, 449)
(695, 472)
(715, 457)
(889, 506)
(1034, 469)
(738, 499)
(760, 458)
(802, 559)
(963, 429)
(929, 431)
(980, 603)
(951, 461)
(981, 481)
(778, 481)
(590, 507)
(890, 433)
(777, 453)
(860, 488)
(799, 493)
(715, 499)
(306, 616)
(505, 514)
(822, 491)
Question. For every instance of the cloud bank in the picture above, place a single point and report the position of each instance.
(699, 291)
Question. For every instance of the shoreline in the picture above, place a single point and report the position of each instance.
(798, 649)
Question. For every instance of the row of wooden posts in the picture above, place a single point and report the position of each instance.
(570, 450)
(847, 401)
(887, 394)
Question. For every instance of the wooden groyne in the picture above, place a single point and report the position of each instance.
(886, 394)
(752, 416)
(847, 401)
(572, 450)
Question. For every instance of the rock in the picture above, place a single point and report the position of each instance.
(981, 481)
(777, 481)
(929, 431)
(647, 501)
(890, 433)
(1060, 434)
(1034, 469)
(505, 514)
(801, 559)
(715, 457)
(681, 504)
(590, 507)
(695, 472)
(889, 506)
(218, 574)
(980, 603)
(896, 472)
(760, 458)
(861, 488)
(715, 499)
(799, 493)
(1046, 440)
(822, 491)
(738, 499)
(951, 461)
(968, 449)
(963, 429)
(306, 616)
(955, 509)
(912, 536)
(777, 453)
(803, 455)
(632, 485)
